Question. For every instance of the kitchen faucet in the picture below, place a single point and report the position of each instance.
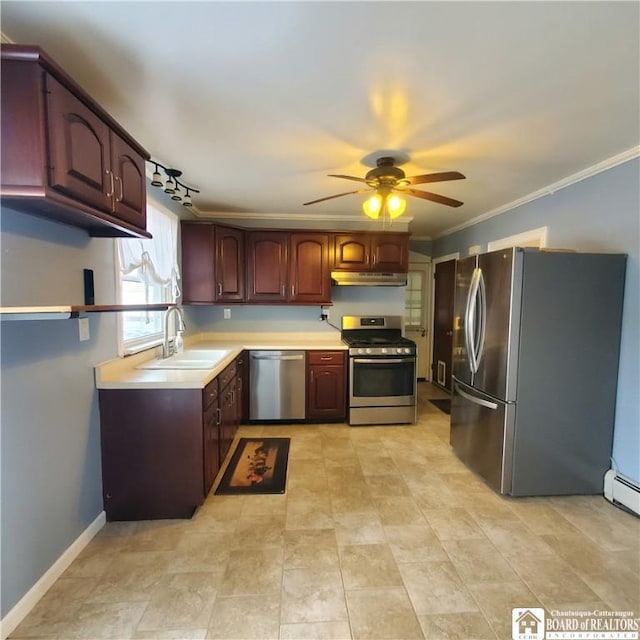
(168, 348)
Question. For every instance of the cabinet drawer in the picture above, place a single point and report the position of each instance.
(325, 357)
(227, 375)
(210, 393)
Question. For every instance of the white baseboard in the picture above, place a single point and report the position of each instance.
(620, 489)
(31, 598)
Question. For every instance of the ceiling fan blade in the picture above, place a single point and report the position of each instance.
(334, 175)
(435, 177)
(339, 195)
(434, 197)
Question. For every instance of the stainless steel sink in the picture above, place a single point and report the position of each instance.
(189, 359)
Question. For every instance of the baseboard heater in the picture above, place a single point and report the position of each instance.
(622, 490)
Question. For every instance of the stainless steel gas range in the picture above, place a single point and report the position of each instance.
(382, 370)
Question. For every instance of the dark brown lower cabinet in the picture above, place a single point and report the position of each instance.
(211, 434)
(152, 453)
(326, 385)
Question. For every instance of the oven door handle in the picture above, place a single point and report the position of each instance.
(382, 360)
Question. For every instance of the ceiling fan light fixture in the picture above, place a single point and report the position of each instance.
(372, 206)
(396, 206)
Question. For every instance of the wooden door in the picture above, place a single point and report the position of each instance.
(130, 187)
(352, 252)
(198, 282)
(229, 264)
(309, 271)
(444, 290)
(78, 149)
(390, 252)
(267, 266)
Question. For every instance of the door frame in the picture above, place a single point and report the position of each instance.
(434, 262)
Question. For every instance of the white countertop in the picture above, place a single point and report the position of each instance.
(121, 373)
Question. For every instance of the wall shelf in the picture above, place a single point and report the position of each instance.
(64, 312)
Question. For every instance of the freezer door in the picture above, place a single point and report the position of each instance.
(500, 274)
(461, 362)
(482, 435)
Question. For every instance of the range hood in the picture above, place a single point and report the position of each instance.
(368, 279)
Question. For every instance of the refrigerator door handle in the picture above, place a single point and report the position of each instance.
(482, 319)
(480, 401)
(470, 321)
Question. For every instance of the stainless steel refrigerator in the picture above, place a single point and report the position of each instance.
(535, 362)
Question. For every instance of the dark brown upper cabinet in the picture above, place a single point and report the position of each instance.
(229, 269)
(288, 267)
(384, 251)
(213, 263)
(267, 266)
(63, 156)
(309, 268)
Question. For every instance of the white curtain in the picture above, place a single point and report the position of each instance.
(155, 258)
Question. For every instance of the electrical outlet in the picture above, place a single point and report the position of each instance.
(83, 329)
(227, 313)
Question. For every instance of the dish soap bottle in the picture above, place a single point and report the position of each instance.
(179, 343)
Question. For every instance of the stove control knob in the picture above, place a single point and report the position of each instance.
(384, 350)
(407, 350)
(398, 350)
(367, 350)
(360, 350)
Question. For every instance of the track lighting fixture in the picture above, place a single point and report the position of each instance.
(171, 185)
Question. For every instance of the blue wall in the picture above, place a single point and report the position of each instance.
(347, 300)
(601, 213)
(50, 439)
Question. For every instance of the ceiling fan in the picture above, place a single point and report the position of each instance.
(386, 179)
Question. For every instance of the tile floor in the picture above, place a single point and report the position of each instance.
(382, 533)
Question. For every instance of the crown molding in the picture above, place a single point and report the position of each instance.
(314, 220)
(247, 215)
(605, 165)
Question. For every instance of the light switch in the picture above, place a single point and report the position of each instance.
(83, 327)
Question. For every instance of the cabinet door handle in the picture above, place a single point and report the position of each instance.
(293, 291)
(326, 357)
(118, 179)
(218, 417)
(112, 187)
(283, 291)
(219, 288)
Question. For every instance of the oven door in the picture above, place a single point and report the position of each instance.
(382, 381)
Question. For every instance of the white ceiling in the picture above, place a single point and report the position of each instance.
(256, 102)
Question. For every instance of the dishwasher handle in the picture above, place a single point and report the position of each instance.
(296, 357)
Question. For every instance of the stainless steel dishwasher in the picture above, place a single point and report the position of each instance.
(277, 385)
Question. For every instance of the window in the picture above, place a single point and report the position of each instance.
(146, 272)
(414, 296)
